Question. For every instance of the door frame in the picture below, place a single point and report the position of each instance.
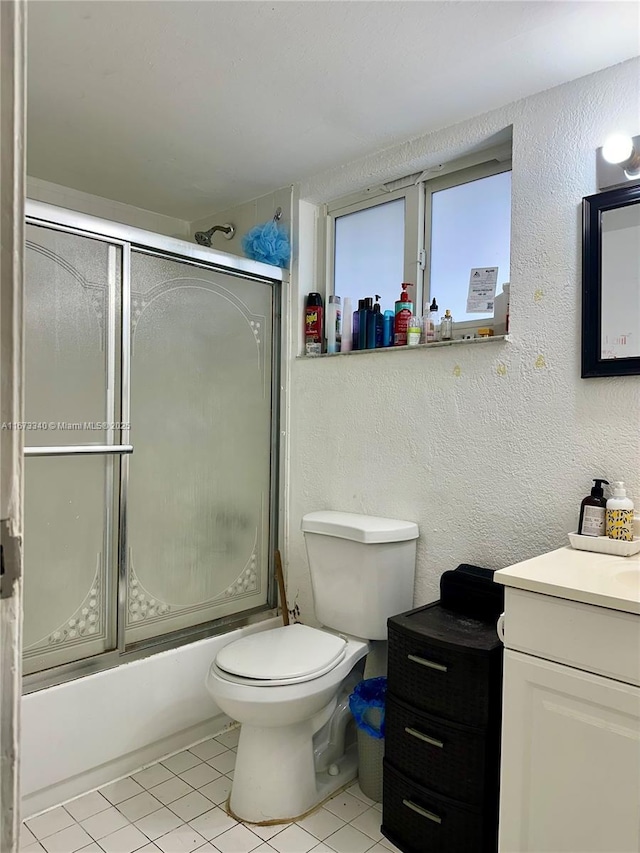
(12, 192)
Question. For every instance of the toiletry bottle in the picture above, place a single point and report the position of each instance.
(355, 340)
(388, 328)
(593, 511)
(313, 324)
(363, 322)
(620, 514)
(506, 289)
(375, 326)
(346, 336)
(446, 326)
(414, 330)
(426, 320)
(333, 324)
(431, 321)
(404, 310)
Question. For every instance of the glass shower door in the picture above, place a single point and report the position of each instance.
(72, 286)
(198, 491)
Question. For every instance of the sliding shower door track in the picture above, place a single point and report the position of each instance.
(108, 660)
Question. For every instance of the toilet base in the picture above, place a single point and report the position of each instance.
(274, 780)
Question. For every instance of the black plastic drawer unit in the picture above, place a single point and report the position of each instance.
(442, 748)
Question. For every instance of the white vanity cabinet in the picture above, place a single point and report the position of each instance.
(570, 764)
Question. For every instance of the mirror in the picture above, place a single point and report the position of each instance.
(611, 283)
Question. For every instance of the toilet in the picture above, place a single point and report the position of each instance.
(289, 686)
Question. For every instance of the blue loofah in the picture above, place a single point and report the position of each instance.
(268, 243)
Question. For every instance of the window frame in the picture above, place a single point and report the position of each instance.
(444, 182)
(413, 267)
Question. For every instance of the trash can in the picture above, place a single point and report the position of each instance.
(367, 706)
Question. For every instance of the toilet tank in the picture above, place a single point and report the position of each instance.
(362, 570)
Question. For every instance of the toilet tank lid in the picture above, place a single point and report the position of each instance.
(367, 529)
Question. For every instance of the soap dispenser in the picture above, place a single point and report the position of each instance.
(593, 511)
(620, 514)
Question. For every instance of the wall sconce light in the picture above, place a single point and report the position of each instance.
(618, 162)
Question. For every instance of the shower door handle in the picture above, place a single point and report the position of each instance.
(79, 450)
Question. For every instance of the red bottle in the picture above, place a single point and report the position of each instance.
(404, 310)
(313, 324)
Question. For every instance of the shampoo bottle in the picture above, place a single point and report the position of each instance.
(429, 322)
(333, 324)
(388, 328)
(345, 338)
(363, 321)
(355, 339)
(620, 514)
(593, 511)
(404, 310)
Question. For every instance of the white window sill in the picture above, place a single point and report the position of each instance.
(435, 345)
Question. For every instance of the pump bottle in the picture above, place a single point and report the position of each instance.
(620, 514)
(404, 310)
(593, 511)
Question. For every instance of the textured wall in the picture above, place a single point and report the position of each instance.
(490, 448)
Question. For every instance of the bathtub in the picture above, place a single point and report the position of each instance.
(78, 736)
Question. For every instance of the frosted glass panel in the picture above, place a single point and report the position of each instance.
(67, 579)
(67, 291)
(369, 253)
(200, 472)
(470, 227)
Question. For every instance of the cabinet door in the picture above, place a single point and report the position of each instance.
(570, 780)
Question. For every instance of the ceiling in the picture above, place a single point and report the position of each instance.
(187, 107)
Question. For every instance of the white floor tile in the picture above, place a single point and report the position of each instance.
(180, 840)
(348, 840)
(26, 837)
(346, 806)
(356, 790)
(230, 738)
(121, 790)
(238, 840)
(139, 806)
(264, 848)
(181, 762)
(229, 775)
(154, 775)
(67, 840)
(217, 791)
(369, 823)
(200, 775)
(207, 749)
(125, 840)
(267, 832)
(377, 806)
(94, 847)
(322, 848)
(213, 823)
(388, 845)
(191, 806)
(52, 821)
(158, 823)
(224, 762)
(148, 848)
(321, 823)
(378, 848)
(104, 823)
(171, 790)
(36, 847)
(294, 839)
(88, 805)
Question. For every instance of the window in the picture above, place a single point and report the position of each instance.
(372, 245)
(430, 231)
(468, 224)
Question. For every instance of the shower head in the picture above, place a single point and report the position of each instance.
(204, 237)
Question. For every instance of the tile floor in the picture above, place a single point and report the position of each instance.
(177, 806)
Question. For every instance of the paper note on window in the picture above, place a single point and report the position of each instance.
(482, 290)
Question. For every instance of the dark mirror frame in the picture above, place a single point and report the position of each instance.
(593, 206)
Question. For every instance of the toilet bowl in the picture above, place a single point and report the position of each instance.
(275, 773)
(289, 687)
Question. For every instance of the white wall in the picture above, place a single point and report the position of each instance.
(80, 735)
(105, 208)
(490, 448)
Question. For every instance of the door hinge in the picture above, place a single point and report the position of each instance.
(422, 259)
(9, 559)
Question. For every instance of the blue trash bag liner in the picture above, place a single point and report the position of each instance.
(366, 703)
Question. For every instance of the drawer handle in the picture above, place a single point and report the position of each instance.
(432, 740)
(419, 810)
(430, 663)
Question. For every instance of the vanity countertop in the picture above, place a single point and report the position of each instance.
(599, 579)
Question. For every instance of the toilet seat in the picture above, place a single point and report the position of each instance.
(279, 656)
